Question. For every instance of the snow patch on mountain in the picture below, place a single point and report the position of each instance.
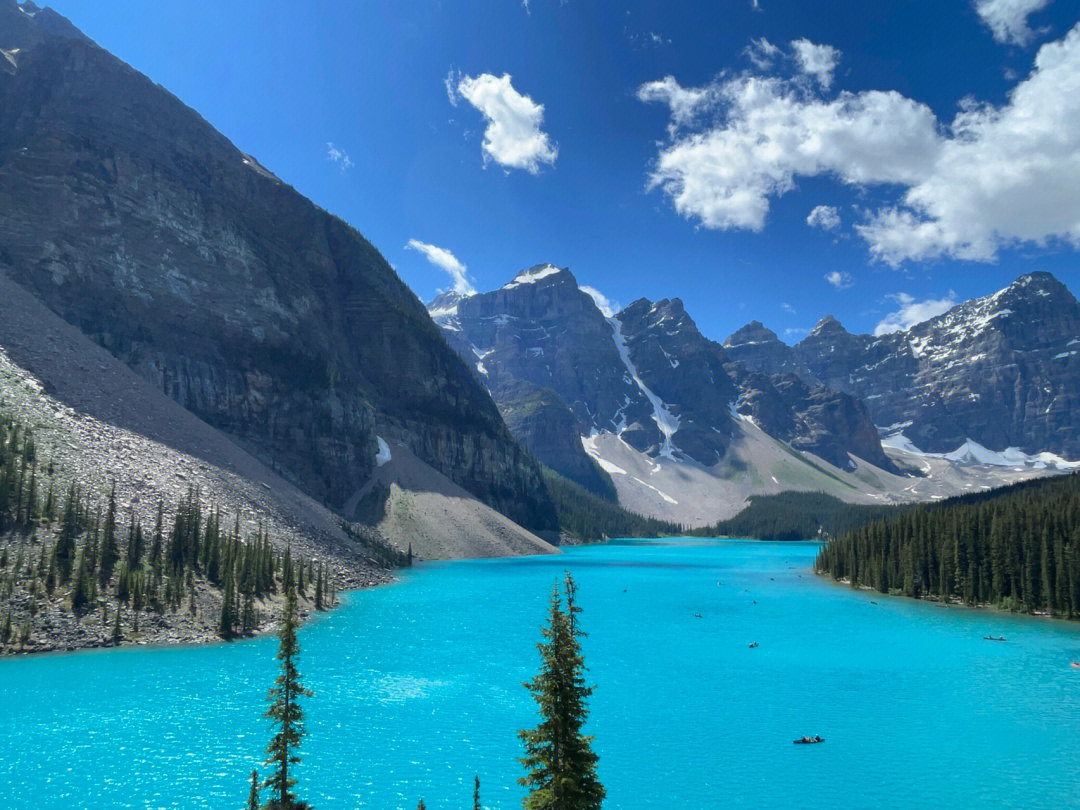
(383, 455)
(590, 444)
(664, 418)
(973, 453)
(532, 275)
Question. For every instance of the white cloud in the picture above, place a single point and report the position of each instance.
(450, 82)
(1007, 19)
(795, 332)
(788, 308)
(444, 259)
(1007, 175)
(818, 61)
(682, 102)
(339, 156)
(911, 312)
(603, 303)
(773, 130)
(825, 217)
(762, 53)
(839, 279)
(513, 137)
(994, 177)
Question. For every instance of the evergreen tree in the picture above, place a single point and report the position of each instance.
(110, 552)
(228, 611)
(476, 792)
(559, 758)
(285, 712)
(117, 631)
(253, 796)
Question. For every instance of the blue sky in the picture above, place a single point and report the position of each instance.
(698, 186)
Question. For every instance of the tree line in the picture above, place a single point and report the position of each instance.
(589, 518)
(83, 554)
(796, 516)
(1016, 547)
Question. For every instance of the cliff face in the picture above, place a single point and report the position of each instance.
(132, 218)
(1003, 370)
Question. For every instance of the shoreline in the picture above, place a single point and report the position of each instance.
(187, 633)
(937, 601)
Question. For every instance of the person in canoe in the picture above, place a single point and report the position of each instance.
(810, 740)
(993, 638)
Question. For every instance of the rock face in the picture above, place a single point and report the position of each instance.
(815, 419)
(133, 219)
(549, 429)
(646, 374)
(1003, 370)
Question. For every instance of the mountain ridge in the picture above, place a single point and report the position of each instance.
(135, 220)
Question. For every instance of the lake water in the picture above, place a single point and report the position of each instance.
(418, 687)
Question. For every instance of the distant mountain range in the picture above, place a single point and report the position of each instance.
(757, 415)
(1002, 371)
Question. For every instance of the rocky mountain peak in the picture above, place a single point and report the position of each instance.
(754, 333)
(1040, 288)
(828, 327)
(24, 25)
(542, 274)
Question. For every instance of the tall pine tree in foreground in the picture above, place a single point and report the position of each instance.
(286, 713)
(559, 758)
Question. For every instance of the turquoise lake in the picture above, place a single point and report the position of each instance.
(418, 687)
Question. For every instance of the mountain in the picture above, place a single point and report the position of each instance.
(129, 216)
(641, 395)
(990, 374)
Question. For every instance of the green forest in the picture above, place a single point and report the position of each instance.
(590, 519)
(796, 516)
(1017, 547)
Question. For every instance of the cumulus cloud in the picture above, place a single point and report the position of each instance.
(683, 102)
(818, 61)
(447, 261)
(839, 279)
(910, 312)
(1007, 175)
(603, 303)
(825, 217)
(996, 176)
(1007, 19)
(339, 156)
(513, 137)
(773, 130)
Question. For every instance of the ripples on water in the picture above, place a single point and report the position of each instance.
(418, 687)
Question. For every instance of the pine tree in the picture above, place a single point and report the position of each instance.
(253, 796)
(559, 758)
(110, 552)
(228, 611)
(285, 712)
(476, 792)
